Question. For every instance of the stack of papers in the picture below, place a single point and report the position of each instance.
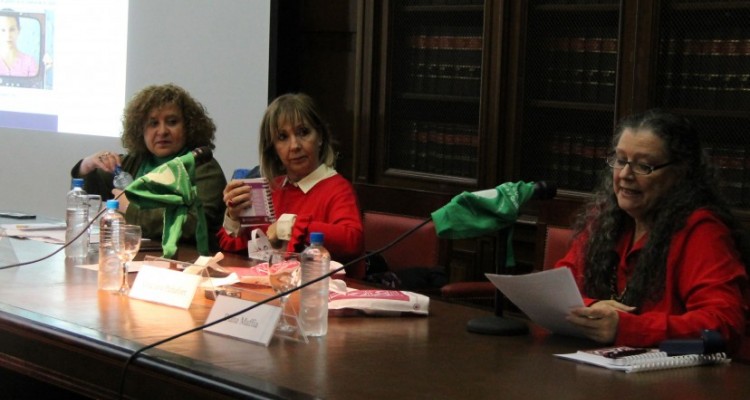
(546, 297)
(45, 232)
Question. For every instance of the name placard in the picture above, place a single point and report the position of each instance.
(256, 325)
(165, 286)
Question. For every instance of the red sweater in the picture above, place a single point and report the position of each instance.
(330, 207)
(706, 286)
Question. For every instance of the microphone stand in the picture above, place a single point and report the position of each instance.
(497, 324)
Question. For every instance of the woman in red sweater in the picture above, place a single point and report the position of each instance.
(297, 157)
(658, 254)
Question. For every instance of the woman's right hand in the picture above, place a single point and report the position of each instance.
(104, 160)
(237, 197)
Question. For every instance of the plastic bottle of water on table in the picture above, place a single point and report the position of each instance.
(76, 221)
(316, 262)
(110, 264)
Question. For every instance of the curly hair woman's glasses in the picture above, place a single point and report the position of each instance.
(638, 168)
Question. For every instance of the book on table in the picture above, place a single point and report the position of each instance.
(633, 359)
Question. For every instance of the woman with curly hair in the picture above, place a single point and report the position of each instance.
(160, 122)
(657, 254)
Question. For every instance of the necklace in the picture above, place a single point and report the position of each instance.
(613, 283)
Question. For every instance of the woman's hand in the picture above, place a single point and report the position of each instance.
(599, 321)
(104, 160)
(273, 236)
(237, 197)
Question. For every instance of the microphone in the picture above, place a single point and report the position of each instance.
(201, 155)
(172, 186)
(544, 190)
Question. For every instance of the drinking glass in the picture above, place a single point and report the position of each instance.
(128, 247)
(284, 274)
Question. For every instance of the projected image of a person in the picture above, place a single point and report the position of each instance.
(14, 61)
(160, 122)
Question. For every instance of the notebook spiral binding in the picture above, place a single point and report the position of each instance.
(640, 358)
(269, 201)
(687, 360)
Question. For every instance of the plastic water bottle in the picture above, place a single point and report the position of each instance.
(76, 219)
(314, 298)
(122, 178)
(110, 265)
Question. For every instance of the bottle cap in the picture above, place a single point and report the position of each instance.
(77, 182)
(113, 204)
(316, 237)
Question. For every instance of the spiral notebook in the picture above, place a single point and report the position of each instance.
(631, 359)
(261, 212)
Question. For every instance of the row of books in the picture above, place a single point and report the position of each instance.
(435, 147)
(710, 56)
(591, 86)
(445, 45)
(707, 91)
(443, 60)
(591, 49)
(575, 159)
(444, 79)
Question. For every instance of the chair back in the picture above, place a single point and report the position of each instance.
(421, 248)
(556, 244)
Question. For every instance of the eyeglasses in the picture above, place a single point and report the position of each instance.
(638, 168)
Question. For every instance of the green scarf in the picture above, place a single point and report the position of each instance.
(472, 214)
(169, 186)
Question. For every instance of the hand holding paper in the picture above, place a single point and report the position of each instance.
(546, 297)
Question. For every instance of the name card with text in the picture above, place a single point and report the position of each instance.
(256, 325)
(165, 286)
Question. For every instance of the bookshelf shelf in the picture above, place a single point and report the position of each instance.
(439, 98)
(611, 6)
(571, 105)
(443, 8)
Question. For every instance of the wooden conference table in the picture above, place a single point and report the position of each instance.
(56, 327)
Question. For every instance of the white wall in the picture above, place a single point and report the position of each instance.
(216, 49)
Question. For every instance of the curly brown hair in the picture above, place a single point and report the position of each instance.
(199, 127)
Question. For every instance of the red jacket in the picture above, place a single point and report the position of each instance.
(706, 285)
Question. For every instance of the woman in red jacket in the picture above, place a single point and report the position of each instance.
(297, 157)
(658, 254)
